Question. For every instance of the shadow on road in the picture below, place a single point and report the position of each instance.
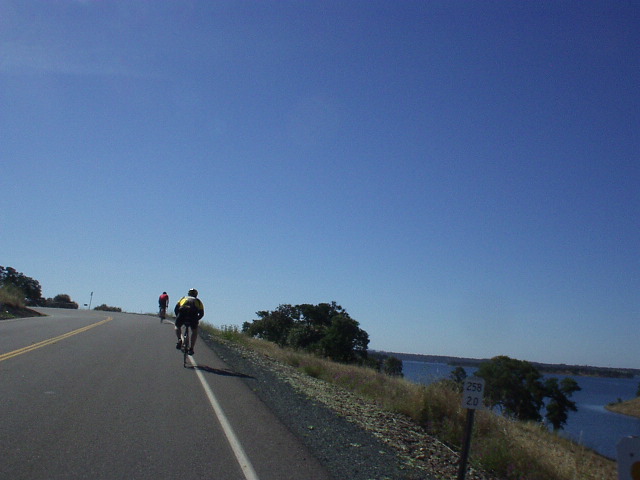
(217, 371)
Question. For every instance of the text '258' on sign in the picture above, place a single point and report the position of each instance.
(473, 393)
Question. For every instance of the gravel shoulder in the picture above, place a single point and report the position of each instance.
(352, 437)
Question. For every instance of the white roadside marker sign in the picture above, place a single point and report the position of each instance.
(473, 393)
(472, 400)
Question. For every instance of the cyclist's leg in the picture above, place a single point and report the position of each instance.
(194, 333)
(178, 329)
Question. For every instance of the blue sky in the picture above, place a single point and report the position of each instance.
(462, 177)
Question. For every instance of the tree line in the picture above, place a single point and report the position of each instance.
(20, 290)
(325, 329)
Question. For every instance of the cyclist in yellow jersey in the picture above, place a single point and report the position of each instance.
(189, 310)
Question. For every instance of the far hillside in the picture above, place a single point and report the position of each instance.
(548, 368)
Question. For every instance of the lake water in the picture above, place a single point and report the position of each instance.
(592, 425)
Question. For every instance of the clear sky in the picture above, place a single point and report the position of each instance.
(461, 176)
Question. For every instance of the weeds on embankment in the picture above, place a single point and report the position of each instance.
(11, 296)
(512, 450)
(11, 299)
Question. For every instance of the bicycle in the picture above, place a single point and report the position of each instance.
(186, 342)
(163, 313)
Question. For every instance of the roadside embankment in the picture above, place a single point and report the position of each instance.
(346, 450)
(415, 448)
(8, 311)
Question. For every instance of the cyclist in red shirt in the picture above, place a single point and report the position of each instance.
(163, 301)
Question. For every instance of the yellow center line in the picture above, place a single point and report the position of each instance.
(20, 351)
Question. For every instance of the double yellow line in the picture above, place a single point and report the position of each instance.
(20, 351)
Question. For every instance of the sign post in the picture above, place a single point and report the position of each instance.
(472, 400)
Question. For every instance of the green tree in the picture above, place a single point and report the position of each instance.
(458, 375)
(559, 405)
(320, 315)
(303, 336)
(30, 288)
(344, 340)
(272, 326)
(392, 366)
(326, 329)
(62, 300)
(516, 387)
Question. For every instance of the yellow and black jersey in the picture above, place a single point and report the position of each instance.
(190, 307)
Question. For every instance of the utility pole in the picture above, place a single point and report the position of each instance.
(90, 300)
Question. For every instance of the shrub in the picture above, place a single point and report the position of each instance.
(107, 308)
(62, 300)
(230, 332)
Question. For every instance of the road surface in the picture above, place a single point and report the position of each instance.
(103, 395)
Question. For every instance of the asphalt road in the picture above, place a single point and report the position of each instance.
(101, 395)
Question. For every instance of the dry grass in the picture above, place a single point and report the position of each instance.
(11, 302)
(535, 453)
(512, 450)
(11, 296)
(630, 407)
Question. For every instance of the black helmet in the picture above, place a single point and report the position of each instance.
(193, 292)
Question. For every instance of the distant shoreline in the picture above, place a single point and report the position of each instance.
(630, 408)
(547, 368)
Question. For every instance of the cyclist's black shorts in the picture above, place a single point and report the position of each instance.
(192, 322)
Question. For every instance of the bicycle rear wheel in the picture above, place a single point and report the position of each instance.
(185, 346)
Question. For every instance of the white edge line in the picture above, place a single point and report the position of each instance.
(241, 456)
